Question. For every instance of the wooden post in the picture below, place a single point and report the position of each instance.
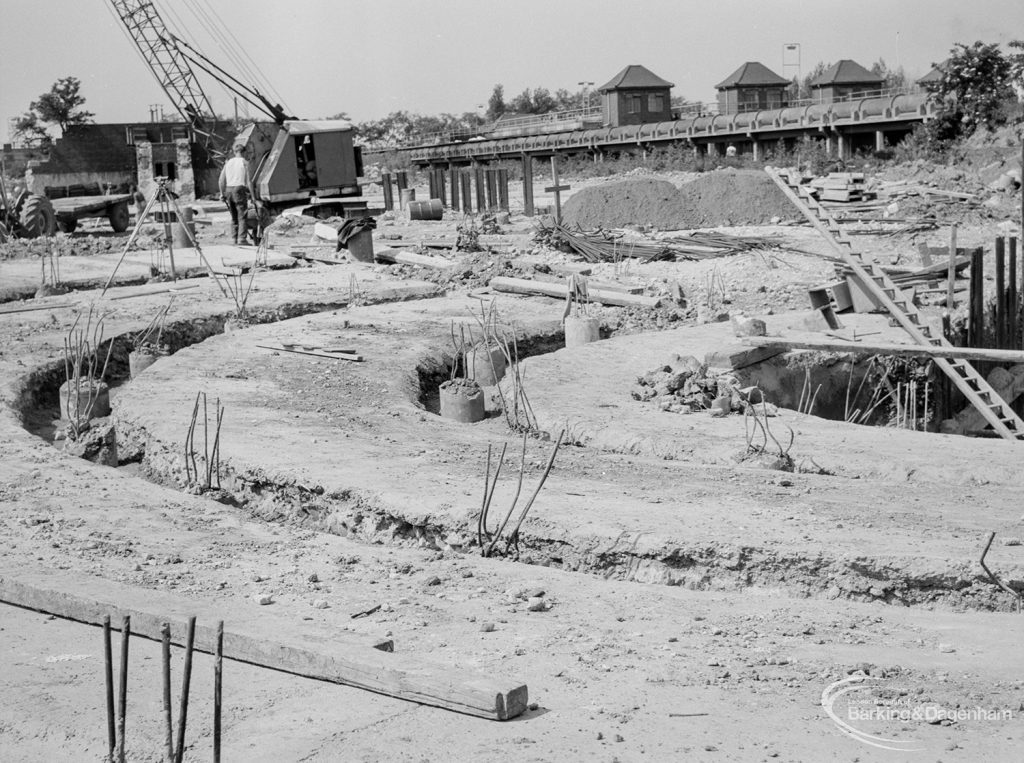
(977, 307)
(432, 183)
(122, 687)
(943, 387)
(466, 181)
(441, 191)
(402, 181)
(108, 669)
(218, 681)
(1013, 301)
(1000, 328)
(503, 190)
(951, 276)
(527, 185)
(481, 201)
(453, 181)
(389, 193)
(491, 179)
(165, 655)
(556, 188)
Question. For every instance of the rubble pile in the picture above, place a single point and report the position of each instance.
(686, 385)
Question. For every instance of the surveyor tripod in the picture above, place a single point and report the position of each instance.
(168, 202)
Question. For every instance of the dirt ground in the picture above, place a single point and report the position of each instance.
(697, 608)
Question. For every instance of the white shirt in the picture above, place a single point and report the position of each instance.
(235, 172)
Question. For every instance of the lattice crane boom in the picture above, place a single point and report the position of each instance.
(169, 65)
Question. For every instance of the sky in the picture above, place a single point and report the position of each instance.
(367, 58)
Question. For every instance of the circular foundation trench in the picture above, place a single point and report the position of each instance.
(285, 496)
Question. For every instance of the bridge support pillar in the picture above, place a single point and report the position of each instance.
(757, 150)
(466, 191)
(503, 190)
(829, 144)
(481, 197)
(453, 181)
(527, 185)
(879, 140)
(389, 194)
(843, 146)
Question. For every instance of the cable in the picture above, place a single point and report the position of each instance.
(268, 86)
(183, 34)
(221, 40)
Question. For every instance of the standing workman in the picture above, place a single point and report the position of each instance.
(235, 190)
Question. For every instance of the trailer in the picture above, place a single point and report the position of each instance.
(70, 210)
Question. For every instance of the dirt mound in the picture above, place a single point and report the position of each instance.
(637, 201)
(723, 197)
(733, 197)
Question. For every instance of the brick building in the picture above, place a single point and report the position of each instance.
(120, 156)
(752, 87)
(845, 79)
(636, 96)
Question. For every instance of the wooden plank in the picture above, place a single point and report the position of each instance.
(399, 257)
(33, 308)
(571, 268)
(329, 259)
(736, 356)
(316, 353)
(523, 286)
(338, 657)
(151, 292)
(878, 348)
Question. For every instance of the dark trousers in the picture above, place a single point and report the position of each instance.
(238, 202)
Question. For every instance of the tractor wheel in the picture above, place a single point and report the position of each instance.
(67, 225)
(37, 218)
(119, 217)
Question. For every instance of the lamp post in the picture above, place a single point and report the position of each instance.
(584, 100)
(791, 61)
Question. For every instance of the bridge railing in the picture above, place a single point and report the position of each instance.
(710, 108)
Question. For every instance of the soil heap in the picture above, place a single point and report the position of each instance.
(722, 197)
(733, 197)
(638, 201)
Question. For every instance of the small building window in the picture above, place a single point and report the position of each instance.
(655, 103)
(635, 104)
(168, 170)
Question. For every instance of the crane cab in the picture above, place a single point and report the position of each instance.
(307, 159)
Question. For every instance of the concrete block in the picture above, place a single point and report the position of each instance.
(744, 326)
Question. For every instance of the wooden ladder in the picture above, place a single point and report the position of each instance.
(979, 392)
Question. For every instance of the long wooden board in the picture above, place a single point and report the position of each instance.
(523, 286)
(315, 352)
(412, 258)
(336, 657)
(877, 348)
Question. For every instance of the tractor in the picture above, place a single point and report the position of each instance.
(27, 215)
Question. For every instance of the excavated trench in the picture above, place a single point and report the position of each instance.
(349, 513)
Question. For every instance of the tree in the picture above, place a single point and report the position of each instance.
(29, 132)
(800, 89)
(894, 78)
(496, 103)
(61, 107)
(975, 84)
